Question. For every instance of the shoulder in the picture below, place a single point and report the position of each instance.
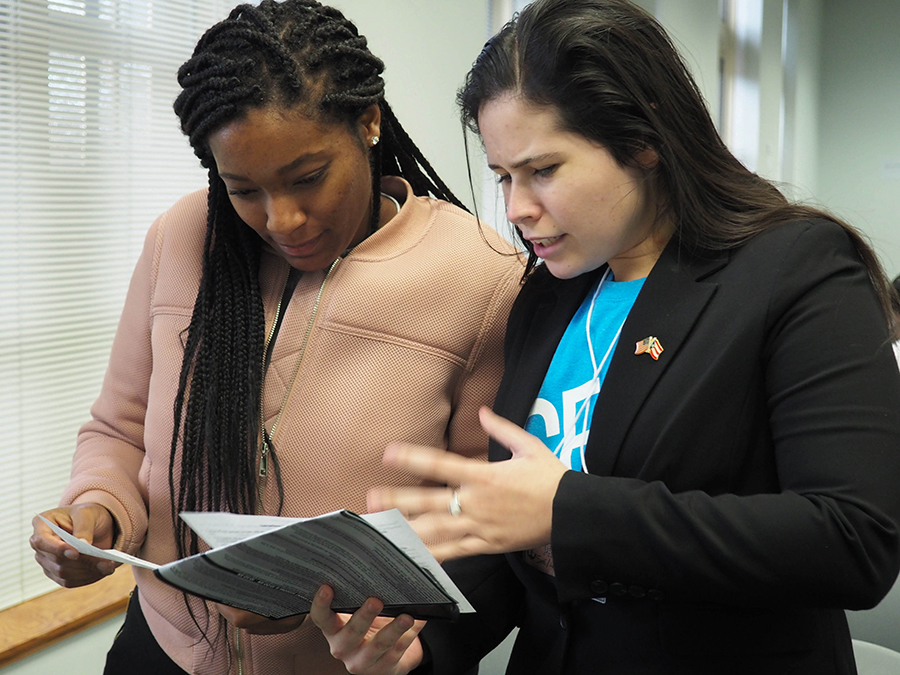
(452, 227)
(177, 239)
(182, 227)
(796, 257)
(798, 266)
(546, 302)
(800, 239)
(470, 236)
(444, 239)
(189, 209)
(796, 253)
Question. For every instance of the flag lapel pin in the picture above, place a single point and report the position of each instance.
(650, 345)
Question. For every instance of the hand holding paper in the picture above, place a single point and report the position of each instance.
(61, 560)
(105, 553)
(273, 567)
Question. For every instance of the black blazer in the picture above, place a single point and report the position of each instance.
(743, 489)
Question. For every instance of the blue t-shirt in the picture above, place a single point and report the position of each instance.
(565, 403)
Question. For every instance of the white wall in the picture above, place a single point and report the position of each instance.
(801, 166)
(837, 144)
(427, 47)
(694, 27)
(859, 137)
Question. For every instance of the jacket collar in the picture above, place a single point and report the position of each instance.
(531, 348)
(672, 299)
(670, 302)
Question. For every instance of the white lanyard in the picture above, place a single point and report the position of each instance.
(597, 369)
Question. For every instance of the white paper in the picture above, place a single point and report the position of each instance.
(395, 527)
(107, 554)
(221, 529)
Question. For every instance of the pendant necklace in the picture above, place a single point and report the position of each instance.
(267, 436)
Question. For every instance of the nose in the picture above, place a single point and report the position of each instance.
(521, 205)
(283, 215)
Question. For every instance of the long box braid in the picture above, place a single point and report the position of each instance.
(292, 53)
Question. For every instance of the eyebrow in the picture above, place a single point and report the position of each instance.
(287, 168)
(528, 160)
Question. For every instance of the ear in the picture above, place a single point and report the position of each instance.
(647, 158)
(369, 124)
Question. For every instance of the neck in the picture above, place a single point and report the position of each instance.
(390, 207)
(639, 261)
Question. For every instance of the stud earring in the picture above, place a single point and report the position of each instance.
(375, 140)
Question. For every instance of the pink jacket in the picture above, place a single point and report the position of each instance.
(406, 345)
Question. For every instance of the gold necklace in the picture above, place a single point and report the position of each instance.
(266, 437)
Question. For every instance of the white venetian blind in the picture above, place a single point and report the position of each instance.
(90, 153)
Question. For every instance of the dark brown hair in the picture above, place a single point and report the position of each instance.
(611, 74)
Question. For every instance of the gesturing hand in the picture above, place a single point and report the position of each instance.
(503, 506)
(366, 643)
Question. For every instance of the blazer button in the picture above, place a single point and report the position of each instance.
(637, 592)
(599, 587)
(618, 589)
(655, 594)
(562, 622)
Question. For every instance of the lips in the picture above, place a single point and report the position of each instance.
(546, 241)
(545, 246)
(301, 250)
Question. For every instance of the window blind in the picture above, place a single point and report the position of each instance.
(90, 154)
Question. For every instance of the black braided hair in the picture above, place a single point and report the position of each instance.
(296, 53)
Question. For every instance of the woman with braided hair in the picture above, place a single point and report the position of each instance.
(325, 296)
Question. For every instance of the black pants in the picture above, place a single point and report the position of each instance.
(135, 651)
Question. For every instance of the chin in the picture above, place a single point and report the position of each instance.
(564, 271)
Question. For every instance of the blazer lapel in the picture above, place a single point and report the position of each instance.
(672, 299)
(524, 376)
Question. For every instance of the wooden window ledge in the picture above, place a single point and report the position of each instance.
(37, 623)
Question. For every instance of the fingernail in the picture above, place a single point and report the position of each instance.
(71, 554)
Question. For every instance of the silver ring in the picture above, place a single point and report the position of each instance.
(455, 508)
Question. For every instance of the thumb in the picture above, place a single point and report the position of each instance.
(83, 525)
(509, 435)
(92, 523)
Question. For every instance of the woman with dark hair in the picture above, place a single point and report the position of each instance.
(696, 442)
(325, 296)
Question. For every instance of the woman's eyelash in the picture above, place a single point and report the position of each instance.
(543, 172)
(306, 180)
